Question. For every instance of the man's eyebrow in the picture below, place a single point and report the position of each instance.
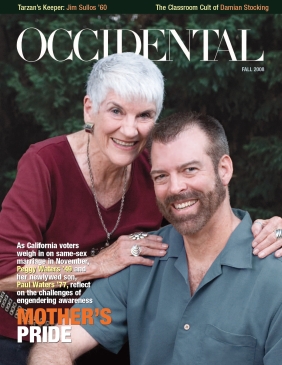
(153, 172)
(187, 164)
(180, 167)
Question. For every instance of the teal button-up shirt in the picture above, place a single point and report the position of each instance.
(234, 317)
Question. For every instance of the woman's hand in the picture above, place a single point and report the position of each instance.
(118, 256)
(265, 241)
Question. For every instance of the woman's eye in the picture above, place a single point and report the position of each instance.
(146, 115)
(116, 111)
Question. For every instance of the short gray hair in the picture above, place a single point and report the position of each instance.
(131, 76)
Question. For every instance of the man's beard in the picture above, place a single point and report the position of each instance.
(208, 203)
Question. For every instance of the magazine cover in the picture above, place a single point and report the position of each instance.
(82, 86)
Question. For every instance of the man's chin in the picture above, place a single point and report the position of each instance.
(186, 224)
(186, 229)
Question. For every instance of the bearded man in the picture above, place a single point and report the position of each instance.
(208, 300)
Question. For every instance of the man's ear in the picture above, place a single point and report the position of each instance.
(225, 169)
(88, 109)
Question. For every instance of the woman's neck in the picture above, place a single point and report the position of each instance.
(108, 178)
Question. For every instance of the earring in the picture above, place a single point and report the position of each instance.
(89, 127)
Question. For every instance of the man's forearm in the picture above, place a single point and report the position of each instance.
(50, 354)
(62, 353)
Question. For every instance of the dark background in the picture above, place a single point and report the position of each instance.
(43, 99)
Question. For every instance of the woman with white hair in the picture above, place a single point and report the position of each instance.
(79, 197)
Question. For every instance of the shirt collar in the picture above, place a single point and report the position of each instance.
(237, 252)
(174, 239)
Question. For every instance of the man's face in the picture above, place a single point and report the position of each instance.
(188, 190)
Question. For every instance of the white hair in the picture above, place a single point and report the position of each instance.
(131, 76)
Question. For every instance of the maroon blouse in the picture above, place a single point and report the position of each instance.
(50, 201)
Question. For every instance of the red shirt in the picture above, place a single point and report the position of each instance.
(50, 201)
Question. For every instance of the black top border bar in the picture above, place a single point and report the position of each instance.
(156, 7)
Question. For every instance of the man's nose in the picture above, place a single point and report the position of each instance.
(177, 184)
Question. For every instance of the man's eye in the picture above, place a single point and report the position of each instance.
(190, 169)
(159, 177)
(116, 111)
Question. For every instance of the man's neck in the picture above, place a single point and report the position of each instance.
(203, 247)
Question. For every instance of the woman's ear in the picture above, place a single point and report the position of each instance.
(88, 109)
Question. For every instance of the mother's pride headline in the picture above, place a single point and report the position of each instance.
(40, 332)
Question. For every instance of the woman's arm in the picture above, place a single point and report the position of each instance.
(265, 241)
(108, 262)
(27, 213)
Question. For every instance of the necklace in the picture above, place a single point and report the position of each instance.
(94, 251)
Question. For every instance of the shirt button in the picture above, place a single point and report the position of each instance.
(186, 327)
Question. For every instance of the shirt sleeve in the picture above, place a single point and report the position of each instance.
(109, 293)
(25, 210)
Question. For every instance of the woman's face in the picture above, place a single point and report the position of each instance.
(121, 127)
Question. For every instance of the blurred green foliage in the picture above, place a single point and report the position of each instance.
(42, 99)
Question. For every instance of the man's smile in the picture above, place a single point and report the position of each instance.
(186, 204)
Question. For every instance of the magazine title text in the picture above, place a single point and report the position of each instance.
(225, 43)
